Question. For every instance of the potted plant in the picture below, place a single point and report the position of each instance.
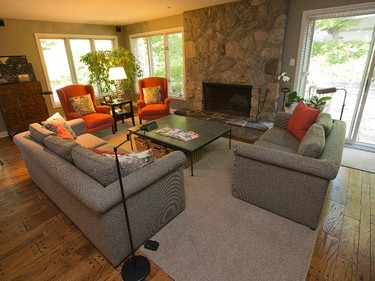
(292, 100)
(99, 63)
(317, 102)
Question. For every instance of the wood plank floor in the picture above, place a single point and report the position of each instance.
(38, 242)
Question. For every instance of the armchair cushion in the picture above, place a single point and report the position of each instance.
(152, 95)
(83, 104)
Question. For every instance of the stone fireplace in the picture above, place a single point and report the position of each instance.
(227, 98)
(236, 43)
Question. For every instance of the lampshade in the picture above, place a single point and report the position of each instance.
(117, 73)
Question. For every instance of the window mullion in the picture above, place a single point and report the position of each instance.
(150, 58)
(70, 60)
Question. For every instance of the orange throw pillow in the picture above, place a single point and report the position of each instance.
(63, 133)
(301, 120)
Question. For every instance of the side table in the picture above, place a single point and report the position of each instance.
(121, 110)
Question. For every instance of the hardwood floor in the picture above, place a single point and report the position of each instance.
(38, 242)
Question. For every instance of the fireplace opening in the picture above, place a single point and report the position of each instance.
(230, 99)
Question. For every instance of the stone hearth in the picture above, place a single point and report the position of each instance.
(242, 128)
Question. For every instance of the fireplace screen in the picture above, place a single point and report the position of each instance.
(227, 98)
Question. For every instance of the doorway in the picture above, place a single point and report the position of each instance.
(338, 51)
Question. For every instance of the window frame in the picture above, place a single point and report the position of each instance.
(163, 32)
(66, 38)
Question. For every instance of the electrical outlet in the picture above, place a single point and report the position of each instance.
(292, 62)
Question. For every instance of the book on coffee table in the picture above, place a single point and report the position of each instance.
(180, 134)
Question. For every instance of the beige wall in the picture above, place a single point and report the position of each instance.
(17, 38)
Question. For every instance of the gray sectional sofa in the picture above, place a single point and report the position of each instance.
(287, 176)
(85, 186)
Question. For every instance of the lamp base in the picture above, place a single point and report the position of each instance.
(136, 268)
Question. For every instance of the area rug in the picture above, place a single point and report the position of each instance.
(358, 159)
(219, 237)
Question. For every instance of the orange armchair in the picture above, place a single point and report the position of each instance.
(100, 120)
(157, 110)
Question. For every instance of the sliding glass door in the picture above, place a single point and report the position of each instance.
(338, 51)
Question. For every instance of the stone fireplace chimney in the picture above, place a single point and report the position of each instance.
(235, 43)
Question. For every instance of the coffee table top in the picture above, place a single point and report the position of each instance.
(208, 131)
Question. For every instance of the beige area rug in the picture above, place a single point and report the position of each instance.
(358, 159)
(219, 237)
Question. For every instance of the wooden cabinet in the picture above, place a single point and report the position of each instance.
(21, 105)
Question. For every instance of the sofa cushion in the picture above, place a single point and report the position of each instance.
(62, 147)
(89, 140)
(313, 143)
(51, 122)
(274, 146)
(301, 120)
(325, 120)
(101, 168)
(39, 133)
(281, 137)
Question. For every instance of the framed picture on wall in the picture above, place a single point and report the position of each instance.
(12, 66)
(108, 99)
(23, 77)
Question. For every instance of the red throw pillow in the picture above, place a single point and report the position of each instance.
(62, 132)
(102, 151)
(302, 118)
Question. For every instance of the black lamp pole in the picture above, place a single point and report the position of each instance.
(135, 268)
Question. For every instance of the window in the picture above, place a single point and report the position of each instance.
(61, 55)
(161, 54)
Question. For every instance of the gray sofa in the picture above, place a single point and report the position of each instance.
(286, 176)
(155, 193)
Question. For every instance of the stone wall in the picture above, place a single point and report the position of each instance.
(238, 43)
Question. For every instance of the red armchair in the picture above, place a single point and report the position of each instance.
(157, 110)
(100, 120)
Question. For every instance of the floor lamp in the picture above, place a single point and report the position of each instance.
(136, 268)
(331, 90)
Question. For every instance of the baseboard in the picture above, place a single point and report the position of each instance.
(4, 134)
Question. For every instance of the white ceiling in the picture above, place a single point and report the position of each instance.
(106, 12)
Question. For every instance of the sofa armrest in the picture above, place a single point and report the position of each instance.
(281, 120)
(78, 126)
(284, 160)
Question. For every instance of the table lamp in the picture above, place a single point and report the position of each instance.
(117, 74)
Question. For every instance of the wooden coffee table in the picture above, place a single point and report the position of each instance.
(208, 131)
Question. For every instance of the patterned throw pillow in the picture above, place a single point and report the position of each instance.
(83, 104)
(152, 95)
(50, 124)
